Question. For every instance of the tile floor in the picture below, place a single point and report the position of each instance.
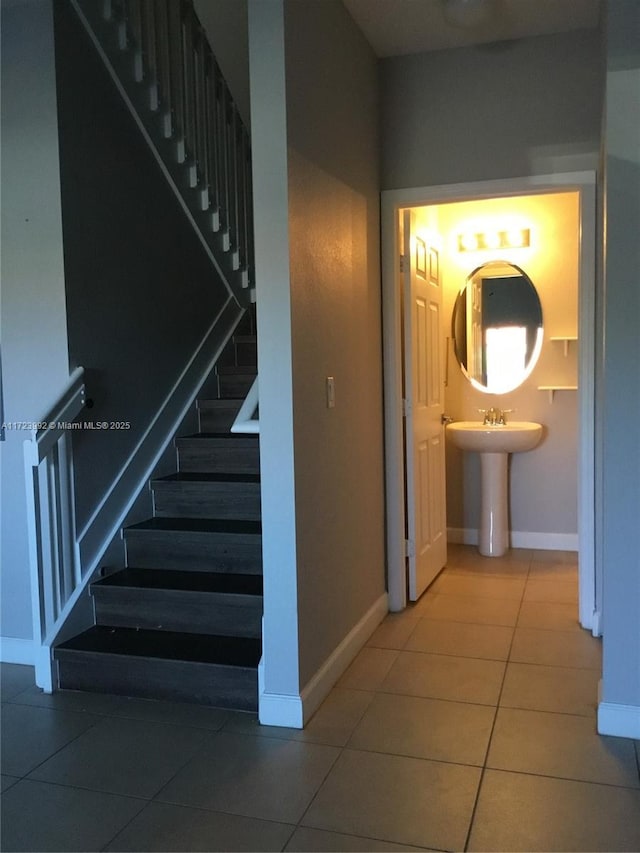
(466, 723)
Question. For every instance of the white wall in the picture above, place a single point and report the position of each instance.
(531, 106)
(34, 340)
(619, 503)
(543, 482)
(317, 267)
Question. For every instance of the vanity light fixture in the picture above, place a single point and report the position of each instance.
(512, 238)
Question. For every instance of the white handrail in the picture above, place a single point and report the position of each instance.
(53, 549)
(245, 421)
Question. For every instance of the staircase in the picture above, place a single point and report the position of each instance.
(159, 57)
(182, 620)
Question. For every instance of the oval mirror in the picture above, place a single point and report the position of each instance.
(497, 327)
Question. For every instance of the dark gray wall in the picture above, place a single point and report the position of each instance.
(334, 247)
(141, 292)
(620, 397)
(491, 111)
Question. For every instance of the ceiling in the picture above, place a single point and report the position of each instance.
(397, 27)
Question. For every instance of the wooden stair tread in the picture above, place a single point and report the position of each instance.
(224, 436)
(165, 645)
(170, 579)
(199, 525)
(236, 370)
(201, 477)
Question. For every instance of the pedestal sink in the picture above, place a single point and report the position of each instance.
(494, 442)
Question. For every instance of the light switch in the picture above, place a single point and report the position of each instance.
(331, 392)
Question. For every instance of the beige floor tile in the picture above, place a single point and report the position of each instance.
(332, 723)
(521, 812)
(462, 639)
(394, 631)
(561, 745)
(540, 556)
(561, 592)
(480, 587)
(165, 827)
(550, 688)
(462, 556)
(549, 616)
(369, 669)
(578, 649)
(459, 608)
(393, 798)
(564, 572)
(425, 728)
(445, 677)
(261, 777)
(307, 840)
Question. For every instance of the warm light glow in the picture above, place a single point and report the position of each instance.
(512, 238)
(468, 242)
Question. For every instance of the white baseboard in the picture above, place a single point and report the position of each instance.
(619, 720)
(278, 709)
(14, 650)
(519, 539)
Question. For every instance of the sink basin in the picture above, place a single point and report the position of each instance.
(499, 438)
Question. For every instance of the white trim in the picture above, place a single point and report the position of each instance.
(277, 709)
(618, 720)
(391, 202)
(245, 422)
(519, 539)
(15, 650)
(319, 685)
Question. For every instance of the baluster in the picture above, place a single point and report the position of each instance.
(135, 37)
(212, 138)
(163, 54)
(223, 139)
(150, 48)
(176, 67)
(188, 77)
(201, 114)
(233, 176)
(54, 557)
(242, 198)
(251, 277)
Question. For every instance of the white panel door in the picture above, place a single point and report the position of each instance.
(424, 394)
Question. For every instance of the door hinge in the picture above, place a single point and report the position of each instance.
(401, 263)
(409, 548)
(406, 407)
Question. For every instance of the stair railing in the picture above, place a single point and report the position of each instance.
(53, 549)
(159, 57)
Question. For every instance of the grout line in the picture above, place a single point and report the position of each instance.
(495, 717)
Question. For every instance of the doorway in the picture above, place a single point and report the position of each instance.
(583, 184)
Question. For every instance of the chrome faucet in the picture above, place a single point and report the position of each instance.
(494, 416)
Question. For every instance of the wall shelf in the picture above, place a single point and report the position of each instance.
(553, 388)
(566, 340)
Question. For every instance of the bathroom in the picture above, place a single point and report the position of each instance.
(547, 485)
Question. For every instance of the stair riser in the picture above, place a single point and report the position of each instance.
(171, 610)
(196, 552)
(198, 457)
(235, 385)
(246, 354)
(153, 678)
(218, 419)
(240, 501)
